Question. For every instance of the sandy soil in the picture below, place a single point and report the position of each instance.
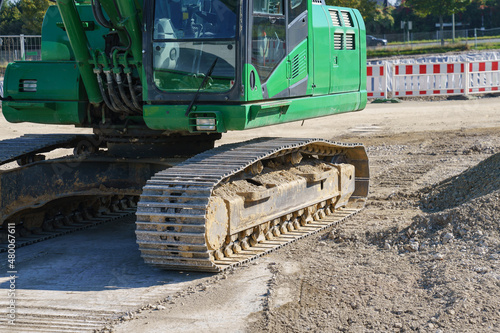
(423, 256)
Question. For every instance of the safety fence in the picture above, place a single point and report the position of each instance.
(21, 47)
(410, 80)
(462, 36)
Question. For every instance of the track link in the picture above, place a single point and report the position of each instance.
(172, 211)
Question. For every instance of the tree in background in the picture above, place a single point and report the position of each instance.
(439, 8)
(22, 17)
(33, 12)
(10, 19)
(482, 14)
(366, 7)
(383, 21)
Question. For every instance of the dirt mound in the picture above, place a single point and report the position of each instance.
(478, 181)
(477, 220)
(465, 207)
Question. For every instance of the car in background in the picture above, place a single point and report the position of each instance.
(374, 41)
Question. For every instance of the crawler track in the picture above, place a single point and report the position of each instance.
(31, 144)
(172, 214)
(46, 198)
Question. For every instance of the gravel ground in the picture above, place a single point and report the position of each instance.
(424, 255)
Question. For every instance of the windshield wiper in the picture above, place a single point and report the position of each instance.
(205, 79)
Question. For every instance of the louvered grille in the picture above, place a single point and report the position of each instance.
(347, 19)
(338, 41)
(299, 64)
(349, 42)
(335, 18)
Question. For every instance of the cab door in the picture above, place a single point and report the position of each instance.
(268, 45)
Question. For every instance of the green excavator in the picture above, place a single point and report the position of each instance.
(158, 82)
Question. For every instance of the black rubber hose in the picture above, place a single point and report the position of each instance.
(123, 48)
(103, 93)
(132, 93)
(99, 15)
(115, 101)
(124, 96)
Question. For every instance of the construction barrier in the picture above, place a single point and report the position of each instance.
(484, 77)
(376, 84)
(433, 79)
(428, 79)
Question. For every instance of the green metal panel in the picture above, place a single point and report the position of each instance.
(290, 71)
(306, 108)
(61, 112)
(241, 117)
(345, 70)
(172, 117)
(56, 80)
(297, 60)
(278, 81)
(46, 99)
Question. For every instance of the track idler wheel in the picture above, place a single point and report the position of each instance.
(217, 222)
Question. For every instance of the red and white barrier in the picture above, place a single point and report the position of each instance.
(457, 78)
(428, 79)
(376, 81)
(484, 77)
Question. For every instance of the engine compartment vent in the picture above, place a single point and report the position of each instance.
(350, 42)
(335, 18)
(338, 41)
(299, 64)
(347, 19)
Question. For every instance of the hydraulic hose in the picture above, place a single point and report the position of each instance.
(103, 92)
(98, 14)
(125, 98)
(131, 86)
(132, 93)
(117, 105)
(117, 70)
(123, 48)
